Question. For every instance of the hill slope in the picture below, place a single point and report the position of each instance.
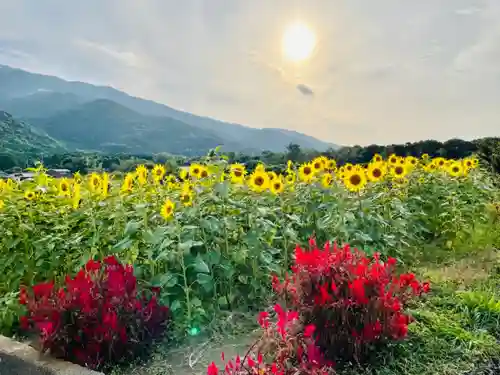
(103, 125)
(20, 141)
(27, 94)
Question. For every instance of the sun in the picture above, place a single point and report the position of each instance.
(298, 42)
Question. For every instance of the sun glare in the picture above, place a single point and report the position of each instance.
(298, 42)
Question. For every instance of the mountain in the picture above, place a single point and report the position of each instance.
(103, 125)
(31, 95)
(18, 138)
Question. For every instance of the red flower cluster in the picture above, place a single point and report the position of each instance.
(340, 301)
(352, 300)
(96, 319)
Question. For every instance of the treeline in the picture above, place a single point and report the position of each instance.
(487, 148)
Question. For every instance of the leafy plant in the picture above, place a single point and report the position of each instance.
(96, 319)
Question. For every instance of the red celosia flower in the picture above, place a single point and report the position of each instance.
(426, 287)
(23, 296)
(264, 319)
(212, 369)
(43, 289)
(309, 330)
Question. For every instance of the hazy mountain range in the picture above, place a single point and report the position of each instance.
(81, 116)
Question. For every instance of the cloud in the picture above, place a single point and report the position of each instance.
(127, 58)
(305, 90)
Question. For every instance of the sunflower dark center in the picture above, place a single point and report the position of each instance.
(307, 170)
(259, 181)
(277, 186)
(455, 169)
(204, 174)
(196, 171)
(399, 170)
(376, 173)
(355, 179)
(237, 173)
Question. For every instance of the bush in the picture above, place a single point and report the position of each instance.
(352, 300)
(97, 318)
(341, 305)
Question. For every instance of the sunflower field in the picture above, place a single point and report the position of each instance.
(212, 235)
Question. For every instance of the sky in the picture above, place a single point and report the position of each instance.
(385, 71)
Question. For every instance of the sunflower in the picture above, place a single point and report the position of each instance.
(203, 172)
(440, 162)
(348, 167)
(289, 166)
(306, 172)
(167, 209)
(327, 180)
(277, 185)
(377, 158)
(142, 174)
(399, 171)
(195, 170)
(29, 195)
(331, 165)
(431, 167)
(258, 181)
(183, 174)
(260, 168)
(158, 172)
(128, 183)
(187, 187)
(76, 198)
(186, 198)
(376, 171)
(355, 181)
(455, 169)
(105, 184)
(393, 159)
(425, 157)
(94, 182)
(475, 162)
(64, 187)
(272, 175)
(411, 161)
(237, 172)
(468, 163)
(2, 204)
(290, 178)
(77, 177)
(318, 164)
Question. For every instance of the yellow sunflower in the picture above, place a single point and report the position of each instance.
(64, 187)
(167, 209)
(376, 171)
(348, 167)
(158, 172)
(2, 204)
(142, 174)
(456, 169)
(195, 170)
(76, 196)
(393, 159)
(377, 158)
(331, 165)
(128, 183)
(203, 172)
(306, 172)
(290, 178)
(327, 180)
(411, 161)
(258, 181)
(318, 164)
(237, 172)
(399, 171)
(29, 195)
(77, 177)
(440, 162)
(183, 174)
(425, 157)
(272, 175)
(94, 182)
(468, 163)
(186, 198)
(260, 168)
(105, 185)
(289, 166)
(355, 181)
(277, 185)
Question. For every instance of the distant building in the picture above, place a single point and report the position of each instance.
(57, 173)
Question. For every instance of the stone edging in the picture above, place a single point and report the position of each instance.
(32, 358)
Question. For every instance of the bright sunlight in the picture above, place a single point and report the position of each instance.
(298, 42)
